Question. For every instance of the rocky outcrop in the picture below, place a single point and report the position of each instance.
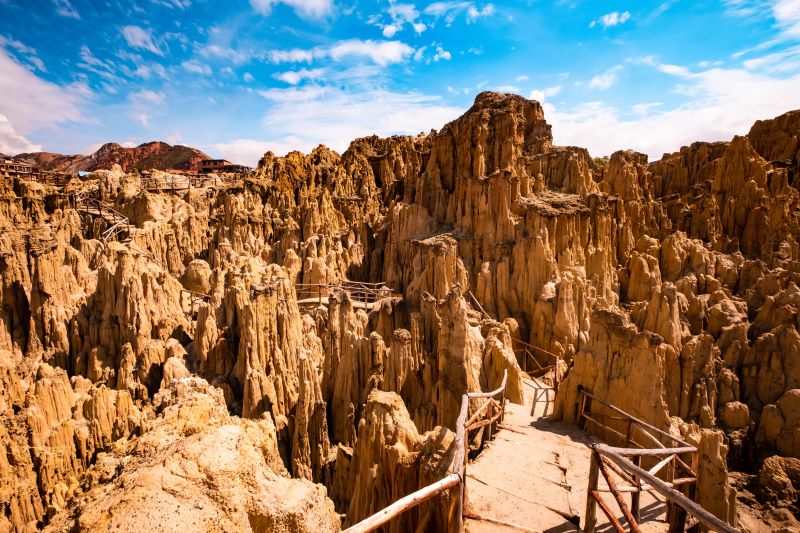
(152, 155)
(391, 460)
(668, 288)
(194, 452)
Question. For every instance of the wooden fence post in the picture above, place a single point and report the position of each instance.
(637, 495)
(591, 503)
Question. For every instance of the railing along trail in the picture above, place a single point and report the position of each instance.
(489, 413)
(117, 223)
(526, 353)
(676, 462)
(360, 292)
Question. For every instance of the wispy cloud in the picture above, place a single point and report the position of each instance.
(606, 79)
(449, 11)
(720, 103)
(380, 52)
(399, 15)
(441, 55)
(293, 77)
(147, 96)
(11, 142)
(175, 4)
(196, 67)
(227, 53)
(541, 95)
(141, 117)
(609, 20)
(333, 116)
(307, 9)
(30, 103)
(138, 37)
(787, 13)
(65, 9)
(25, 51)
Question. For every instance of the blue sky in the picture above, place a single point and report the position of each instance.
(239, 77)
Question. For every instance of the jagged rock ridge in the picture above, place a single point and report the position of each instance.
(673, 281)
(152, 155)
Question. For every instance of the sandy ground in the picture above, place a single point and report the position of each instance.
(535, 473)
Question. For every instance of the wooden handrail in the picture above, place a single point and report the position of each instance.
(456, 477)
(405, 503)
(635, 420)
(608, 458)
(704, 517)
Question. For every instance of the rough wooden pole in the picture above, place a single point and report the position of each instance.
(591, 503)
(637, 495)
(705, 517)
(403, 504)
(612, 485)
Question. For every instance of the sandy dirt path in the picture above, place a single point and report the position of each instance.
(534, 475)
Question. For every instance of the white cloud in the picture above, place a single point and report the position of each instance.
(390, 29)
(441, 54)
(611, 19)
(606, 79)
(249, 151)
(177, 4)
(521, 78)
(334, 117)
(147, 96)
(11, 142)
(293, 77)
(307, 9)
(787, 14)
(29, 102)
(380, 52)
(449, 11)
(644, 109)
(24, 50)
(237, 57)
(399, 15)
(196, 67)
(674, 70)
(91, 63)
(473, 13)
(138, 37)
(141, 117)
(65, 9)
(248, 77)
(541, 95)
(787, 60)
(295, 55)
(725, 102)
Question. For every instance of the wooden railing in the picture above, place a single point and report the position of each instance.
(175, 182)
(367, 293)
(195, 298)
(642, 443)
(40, 176)
(489, 413)
(116, 221)
(526, 353)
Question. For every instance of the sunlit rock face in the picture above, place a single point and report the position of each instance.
(668, 288)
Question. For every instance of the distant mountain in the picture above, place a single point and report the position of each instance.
(150, 155)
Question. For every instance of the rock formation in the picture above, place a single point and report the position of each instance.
(153, 155)
(183, 352)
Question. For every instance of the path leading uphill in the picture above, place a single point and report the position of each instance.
(535, 473)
